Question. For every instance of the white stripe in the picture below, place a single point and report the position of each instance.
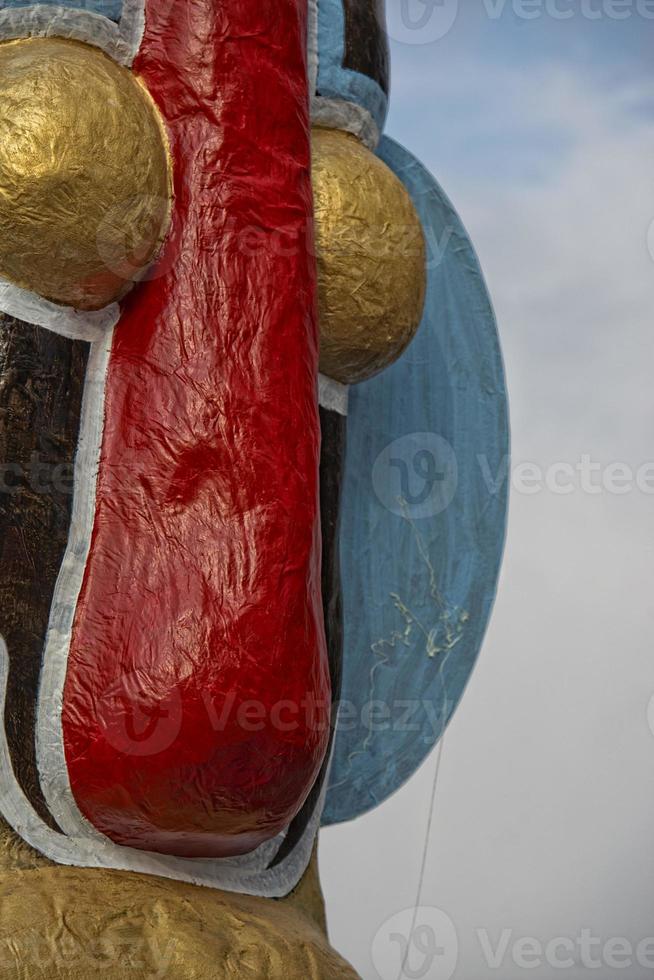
(74, 324)
(50, 754)
(352, 118)
(132, 26)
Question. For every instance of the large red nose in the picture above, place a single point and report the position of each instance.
(196, 705)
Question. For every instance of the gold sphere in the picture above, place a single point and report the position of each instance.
(371, 259)
(85, 185)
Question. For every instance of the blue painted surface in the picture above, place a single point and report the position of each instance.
(336, 82)
(419, 574)
(112, 9)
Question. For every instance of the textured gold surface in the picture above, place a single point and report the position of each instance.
(75, 923)
(84, 173)
(16, 855)
(371, 259)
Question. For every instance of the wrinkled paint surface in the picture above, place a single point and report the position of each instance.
(202, 586)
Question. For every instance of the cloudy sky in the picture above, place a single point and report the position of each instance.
(541, 851)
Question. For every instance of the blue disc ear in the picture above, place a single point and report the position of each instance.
(423, 521)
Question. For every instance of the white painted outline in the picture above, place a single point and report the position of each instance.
(313, 54)
(346, 116)
(120, 41)
(64, 320)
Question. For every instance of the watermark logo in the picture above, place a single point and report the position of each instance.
(416, 476)
(420, 21)
(136, 719)
(416, 944)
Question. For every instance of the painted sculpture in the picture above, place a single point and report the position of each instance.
(250, 386)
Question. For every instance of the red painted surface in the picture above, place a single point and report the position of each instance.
(196, 704)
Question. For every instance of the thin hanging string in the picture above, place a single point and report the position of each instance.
(430, 823)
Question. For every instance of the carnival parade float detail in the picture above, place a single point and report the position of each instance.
(243, 394)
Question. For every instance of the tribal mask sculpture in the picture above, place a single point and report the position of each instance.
(248, 370)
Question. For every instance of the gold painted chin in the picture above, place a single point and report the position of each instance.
(85, 185)
(72, 924)
(75, 923)
(371, 259)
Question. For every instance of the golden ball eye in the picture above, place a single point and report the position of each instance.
(84, 173)
(371, 259)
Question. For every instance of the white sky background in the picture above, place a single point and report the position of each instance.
(542, 133)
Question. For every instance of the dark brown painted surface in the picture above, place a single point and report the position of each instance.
(366, 42)
(41, 384)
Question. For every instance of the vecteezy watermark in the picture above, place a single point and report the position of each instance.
(420, 21)
(128, 252)
(137, 720)
(416, 944)
(567, 9)
(561, 953)
(424, 944)
(426, 21)
(38, 475)
(131, 261)
(64, 953)
(561, 478)
(416, 475)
